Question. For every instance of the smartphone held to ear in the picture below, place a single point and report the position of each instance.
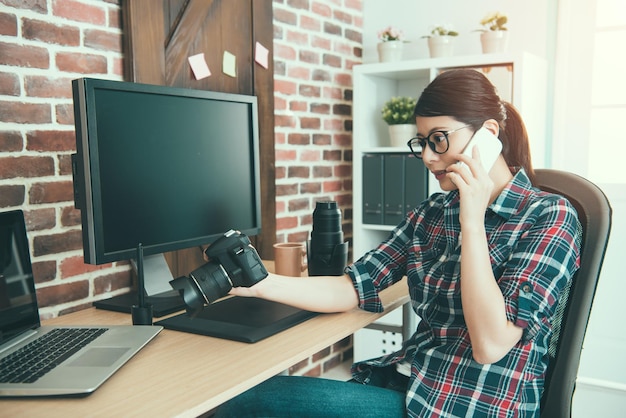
(489, 147)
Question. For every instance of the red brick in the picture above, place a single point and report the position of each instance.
(12, 195)
(74, 266)
(310, 23)
(44, 271)
(70, 216)
(298, 172)
(42, 86)
(8, 24)
(38, 6)
(24, 56)
(311, 188)
(59, 191)
(284, 52)
(103, 40)
(50, 33)
(11, 167)
(79, 11)
(40, 219)
(19, 112)
(57, 243)
(332, 60)
(308, 90)
(64, 114)
(299, 139)
(111, 282)
(310, 123)
(284, 16)
(67, 292)
(285, 87)
(322, 172)
(65, 165)
(74, 62)
(286, 189)
(9, 84)
(50, 141)
(286, 223)
(11, 141)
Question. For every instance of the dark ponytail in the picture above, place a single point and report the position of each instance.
(469, 97)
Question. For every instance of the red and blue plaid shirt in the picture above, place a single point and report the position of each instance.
(533, 240)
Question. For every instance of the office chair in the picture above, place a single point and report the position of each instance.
(574, 308)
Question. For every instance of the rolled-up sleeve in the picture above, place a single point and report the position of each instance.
(381, 267)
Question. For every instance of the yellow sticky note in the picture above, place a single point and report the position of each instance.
(261, 54)
(199, 66)
(229, 64)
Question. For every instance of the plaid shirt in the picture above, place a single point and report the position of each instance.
(533, 240)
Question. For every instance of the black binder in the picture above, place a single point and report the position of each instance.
(373, 189)
(394, 186)
(416, 182)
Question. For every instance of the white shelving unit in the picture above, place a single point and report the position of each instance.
(521, 79)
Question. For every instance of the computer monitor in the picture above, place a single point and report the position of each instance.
(169, 168)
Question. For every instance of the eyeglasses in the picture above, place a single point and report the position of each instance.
(437, 141)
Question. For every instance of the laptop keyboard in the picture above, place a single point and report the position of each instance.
(37, 358)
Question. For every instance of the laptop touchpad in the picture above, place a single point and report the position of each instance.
(99, 357)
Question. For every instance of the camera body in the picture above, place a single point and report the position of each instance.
(233, 262)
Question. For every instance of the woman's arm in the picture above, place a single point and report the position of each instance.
(492, 335)
(317, 294)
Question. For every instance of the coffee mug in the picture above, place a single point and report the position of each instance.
(290, 259)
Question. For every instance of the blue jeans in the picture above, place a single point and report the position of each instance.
(294, 396)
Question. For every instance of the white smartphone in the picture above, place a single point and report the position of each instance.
(489, 147)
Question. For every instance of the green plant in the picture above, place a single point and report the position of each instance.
(399, 110)
(442, 30)
(390, 34)
(493, 21)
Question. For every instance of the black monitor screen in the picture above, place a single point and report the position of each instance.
(166, 167)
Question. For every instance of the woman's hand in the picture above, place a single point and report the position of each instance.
(475, 188)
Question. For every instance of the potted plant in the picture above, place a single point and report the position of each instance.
(494, 33)
(391, 44)
(397, 112)
(440, 40)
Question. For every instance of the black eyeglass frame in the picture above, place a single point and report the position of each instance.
(431, 144)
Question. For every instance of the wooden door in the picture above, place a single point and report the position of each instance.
(159, 36)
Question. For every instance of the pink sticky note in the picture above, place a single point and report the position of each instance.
(261, 54)
(199, 66)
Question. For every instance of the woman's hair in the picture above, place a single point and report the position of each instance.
(469, 97)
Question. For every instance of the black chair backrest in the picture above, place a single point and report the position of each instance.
(594, 212)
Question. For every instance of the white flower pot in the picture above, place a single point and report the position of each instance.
(399, 135)
(390, 51)
(494, 41)
(441, 46)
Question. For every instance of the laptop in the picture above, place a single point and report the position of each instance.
(99, 351)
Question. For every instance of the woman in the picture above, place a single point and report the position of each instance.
(485, 265)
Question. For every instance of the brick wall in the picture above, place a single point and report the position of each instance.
(44, 44)
(316, 44)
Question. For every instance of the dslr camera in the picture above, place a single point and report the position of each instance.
(233, 262)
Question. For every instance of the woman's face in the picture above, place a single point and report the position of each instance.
(437, 163)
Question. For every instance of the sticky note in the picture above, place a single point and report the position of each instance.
(199, 66)
(261, 54)
(229, 64)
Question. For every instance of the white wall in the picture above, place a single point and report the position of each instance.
(566, 34)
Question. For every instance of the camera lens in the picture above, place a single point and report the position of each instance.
(327, 253)
(326, 225)
(204, 285)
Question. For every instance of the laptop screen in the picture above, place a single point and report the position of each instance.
(18, 302)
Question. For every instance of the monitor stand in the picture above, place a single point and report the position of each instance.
(158, 291)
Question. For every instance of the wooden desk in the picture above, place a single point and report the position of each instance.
(185, 375)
